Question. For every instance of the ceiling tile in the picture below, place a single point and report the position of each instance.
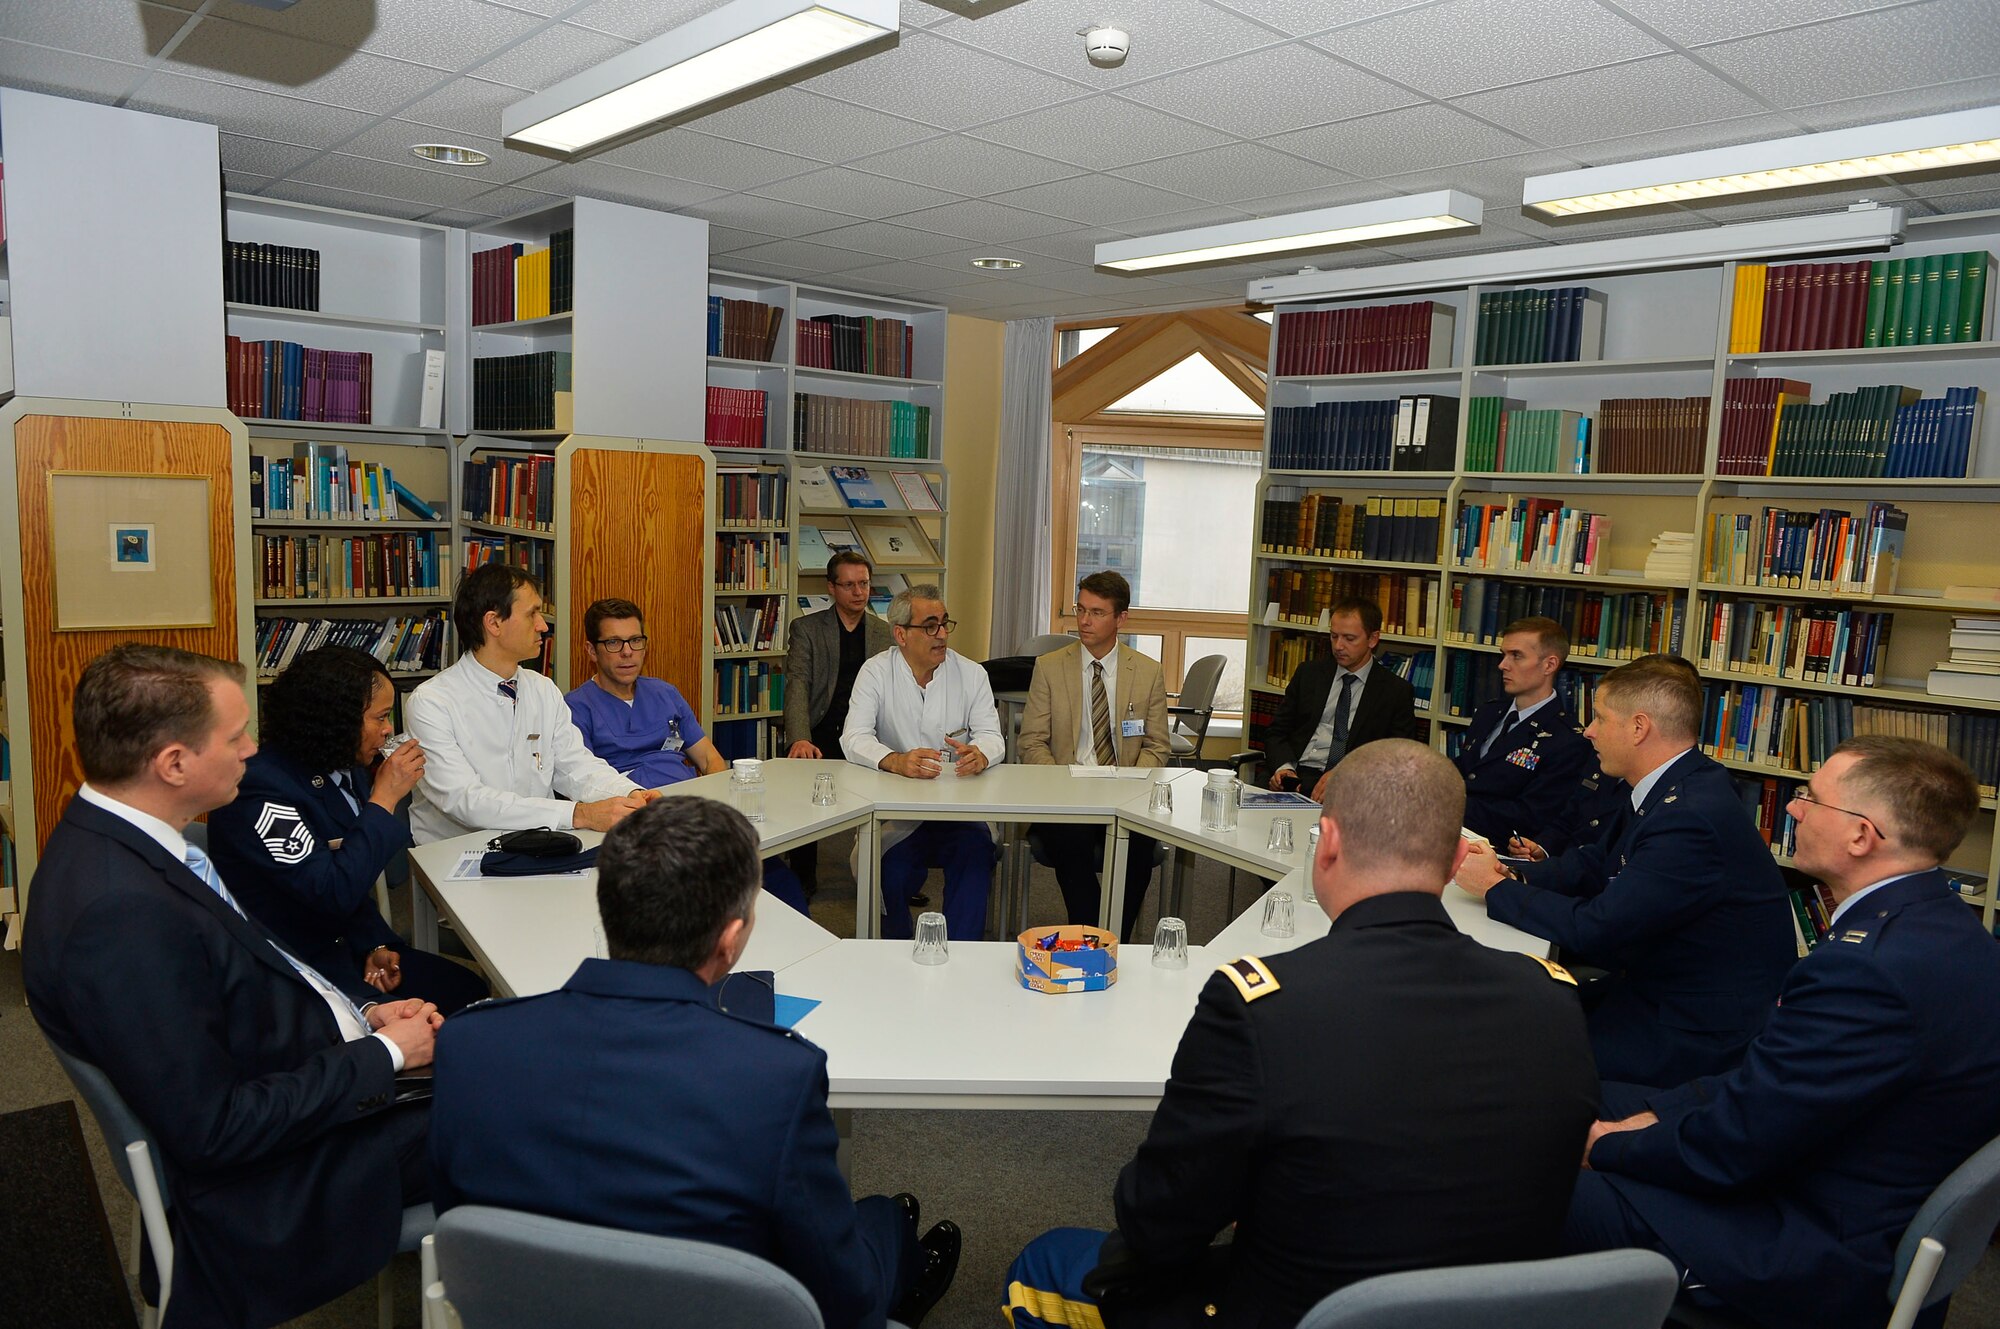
(637, 20)
(1804, 202)
(1100, 133)
(550, 56)
(895, 277)
(1067, 246)
(725, 239)
(769, 216)
(942, 83)
(299, 191)
(984, 221)
(462, 218)
(1213, 214)
(1869, 53)
(1691, 22)
(1299, 18)
(713, 161)
(391, 141)
(257, 156)
(1688, 138)
(273, 62)
(1975, 202)
(1415, 138)
(1464, 45)
(1269, 91)
(887, 240)
(467, 105)
(108, 29)
(804, 254)
(365, 176)
(64, 73)
(1535, 227)
(1904, 104)
(1637, 97)
(615, 184)
(1333, 196)
(1096, 200)
(1166, 35)
(248, 111)
(1495, 182)
(1231, 174)
(1945, 185)
(512, 201)
(964, 165)
(449, 34)
(855, 192)
(794, 121)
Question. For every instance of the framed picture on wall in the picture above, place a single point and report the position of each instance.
(130, 551)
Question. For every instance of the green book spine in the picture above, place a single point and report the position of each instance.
(1927, 318)
(1913, 303)
(1539, 349)
(1484, 329)
(1878, 290)
(1949, 293)
(1972, 296)
(1892, 326)
(1510, 318)
(1517, 326)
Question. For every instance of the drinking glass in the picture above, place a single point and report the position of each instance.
(1162, 798)
(1278, 915)
(1170, 944)
(930, 947)
(823, 790)
(746, 787)
(1218, 802)
(1280, 841)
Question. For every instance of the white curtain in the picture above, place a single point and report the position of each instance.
(1021, 552)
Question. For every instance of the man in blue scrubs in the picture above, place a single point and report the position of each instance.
(642, 725)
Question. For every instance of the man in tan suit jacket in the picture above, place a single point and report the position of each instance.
(1064, 726)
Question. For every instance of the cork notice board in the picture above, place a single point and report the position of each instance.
(130, 550)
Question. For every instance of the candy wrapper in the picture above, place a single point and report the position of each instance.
(1072, 958)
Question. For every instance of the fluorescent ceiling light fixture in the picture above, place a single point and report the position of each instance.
(738, 46)
(1902, 147)
(1867, 227)
(997, 264)
(1413, 214)
(450, 154)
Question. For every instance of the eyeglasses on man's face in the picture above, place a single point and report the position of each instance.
(1097, 614)
(621, 645)
(851, 586)
(1804, 794)
(937, 627)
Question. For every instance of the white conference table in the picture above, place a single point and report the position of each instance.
(963, 1034)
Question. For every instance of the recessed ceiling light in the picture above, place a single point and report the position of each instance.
(450, 154)
(997, 264)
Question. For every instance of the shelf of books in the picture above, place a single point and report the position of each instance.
(1780, 471)
(753, 587)
(506, 513)
(522, 289)
(334, 318)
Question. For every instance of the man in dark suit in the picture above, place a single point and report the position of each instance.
(1392, 1096)
(267, 1089)
(673, 1104)
(1783, 1187)
(1525, 754)
(1684, 905)
(1334, 705)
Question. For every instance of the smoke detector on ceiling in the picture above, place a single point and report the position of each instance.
(1105, 47)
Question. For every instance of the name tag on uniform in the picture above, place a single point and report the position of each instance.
(1131, 728)
(1526, 758)
(673, 741)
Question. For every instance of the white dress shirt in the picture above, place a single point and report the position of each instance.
(1320, 746)
(1849, 902)
(889, 711)
(353, 1025)
(1652, 777)
(494, 764)
(1086, 739)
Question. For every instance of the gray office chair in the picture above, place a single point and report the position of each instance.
(1942, 1244)
(1188, 717)
(1036, 647)
(502, 1269)
(1604, 1290)
(136, 1157)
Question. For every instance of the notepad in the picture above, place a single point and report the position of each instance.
(786, 1012)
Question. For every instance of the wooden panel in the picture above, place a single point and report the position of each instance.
(638, 529)
(44, 443)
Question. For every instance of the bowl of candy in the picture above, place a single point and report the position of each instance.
(1071, 958)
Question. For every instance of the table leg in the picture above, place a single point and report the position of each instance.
(1117, 845)
(867, 879)
(843, 1152)
(423, 917)
(1180, 881)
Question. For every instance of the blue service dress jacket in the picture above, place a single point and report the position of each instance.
(1688, 912)
(1525, 779)
(282, 1183)
(655, 1111)
(1786, 1184)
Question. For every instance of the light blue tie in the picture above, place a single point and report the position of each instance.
(201, 865)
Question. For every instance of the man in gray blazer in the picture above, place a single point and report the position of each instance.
(826, 653)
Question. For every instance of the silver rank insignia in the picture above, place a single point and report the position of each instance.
(284, 833)
(1854, 934)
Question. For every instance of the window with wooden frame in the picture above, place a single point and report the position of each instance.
(1159, 432)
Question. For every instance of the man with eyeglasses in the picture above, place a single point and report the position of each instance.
(1783, 1188)
(923, 711)
(642, 725)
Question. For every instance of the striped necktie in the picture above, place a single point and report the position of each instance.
(1100, 717)
(200, 864)
(510, 688)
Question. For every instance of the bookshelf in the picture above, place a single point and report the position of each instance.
(1653, 377)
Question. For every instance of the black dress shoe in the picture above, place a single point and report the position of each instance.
(937, 1256)
(911, 1209)
(920, 900)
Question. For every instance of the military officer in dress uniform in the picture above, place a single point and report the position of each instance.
(643, 1097)
(1782, 1188)
(1683, 906)
(1525, 753)
(1392, 1096)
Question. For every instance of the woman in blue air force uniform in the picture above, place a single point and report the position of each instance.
(314, 824)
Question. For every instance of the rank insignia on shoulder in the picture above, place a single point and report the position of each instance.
(1854, 934)
(1669, 798)
(1526, 758)
(1556, 971)
(1251, 977)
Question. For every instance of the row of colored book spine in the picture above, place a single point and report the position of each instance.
(747, 687)
(745, 628)
(1764, 724)
(1602, 625)
(1539, 326)
(750, 498)
(510, 491)
(280, 276)
(1413, 433)
(1649, 436)
(1920, 301)
(519, 392)
(1373, 339)
(1771, 427)
(1304, 596)
(284, 380)
(350, 567)
(1533, 535)
(860, 428)
(1797, 549)
(319, 483)
(1380, 528)
(745, 562)
(403, 643)
(1805, 643)
(514, 282)
(1418, 670)
(857, 344)
(743, 329)
(1285, 652)
(536, 557)
(735, 417)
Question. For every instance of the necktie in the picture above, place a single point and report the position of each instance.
(1342, 709)
(510, 688)
(1100, 718)
(200, 864)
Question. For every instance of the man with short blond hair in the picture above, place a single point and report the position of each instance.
(1524, 754)
(1782, 1188)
